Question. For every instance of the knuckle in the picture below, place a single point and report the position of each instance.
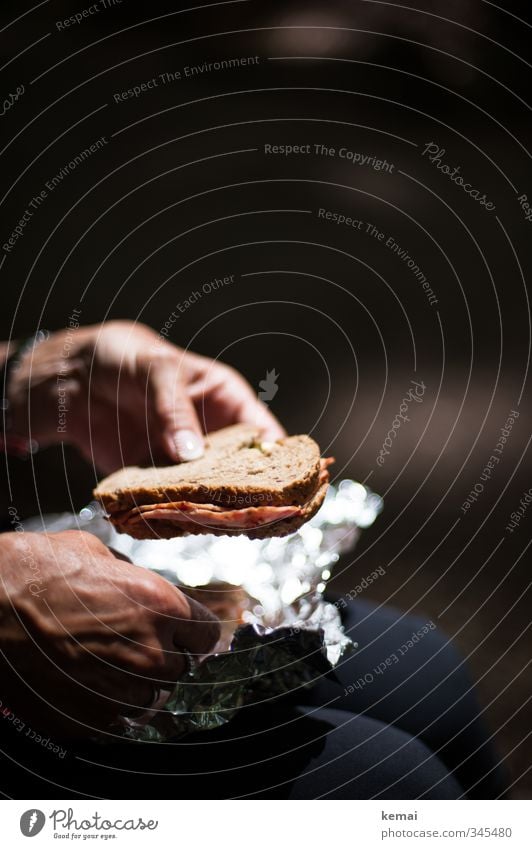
(148, 661)
(117, 325)
(147, 590)
(158, 594)
(162, 356)
(167, 408)
(121, 324)
(84, 538)
(233, 375)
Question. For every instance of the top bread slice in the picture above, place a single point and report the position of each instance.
(237, 470)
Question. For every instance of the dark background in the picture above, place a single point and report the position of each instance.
(184, 193)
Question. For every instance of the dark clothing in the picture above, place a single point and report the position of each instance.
(427, 693)
(412, 731)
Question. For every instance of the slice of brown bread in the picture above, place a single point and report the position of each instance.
(166, 529)
(237, 470)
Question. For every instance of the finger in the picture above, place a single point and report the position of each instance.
(135, 698)
(198, 635)
(269, 425)
(179, 623)
(146, 670)
(177, 420)
(223, 397)
(134, 682)
(170, 661)
(251, 410)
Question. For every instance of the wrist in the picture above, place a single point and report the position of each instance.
(6, 349)
(21, 565)
(9, 557)
(40, 375)
(10, 442)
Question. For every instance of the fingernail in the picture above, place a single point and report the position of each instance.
(188, 445)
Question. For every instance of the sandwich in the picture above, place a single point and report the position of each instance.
(240, 486)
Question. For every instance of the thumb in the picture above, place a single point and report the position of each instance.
(176, 417)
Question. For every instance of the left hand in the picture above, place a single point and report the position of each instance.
(124, 396)
(86, 637)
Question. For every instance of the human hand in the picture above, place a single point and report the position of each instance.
(130, 397)
(86, 637)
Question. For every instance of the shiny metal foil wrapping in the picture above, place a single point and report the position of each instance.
(287, 635)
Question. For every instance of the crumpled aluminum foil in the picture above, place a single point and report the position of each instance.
(289, 635)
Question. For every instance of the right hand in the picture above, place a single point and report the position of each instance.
(130, 398)
(86, 637)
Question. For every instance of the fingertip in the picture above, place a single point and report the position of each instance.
(187, 445)
(271, 429)
(274, 432)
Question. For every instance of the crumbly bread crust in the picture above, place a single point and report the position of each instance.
(237, 470)
(165, 529)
